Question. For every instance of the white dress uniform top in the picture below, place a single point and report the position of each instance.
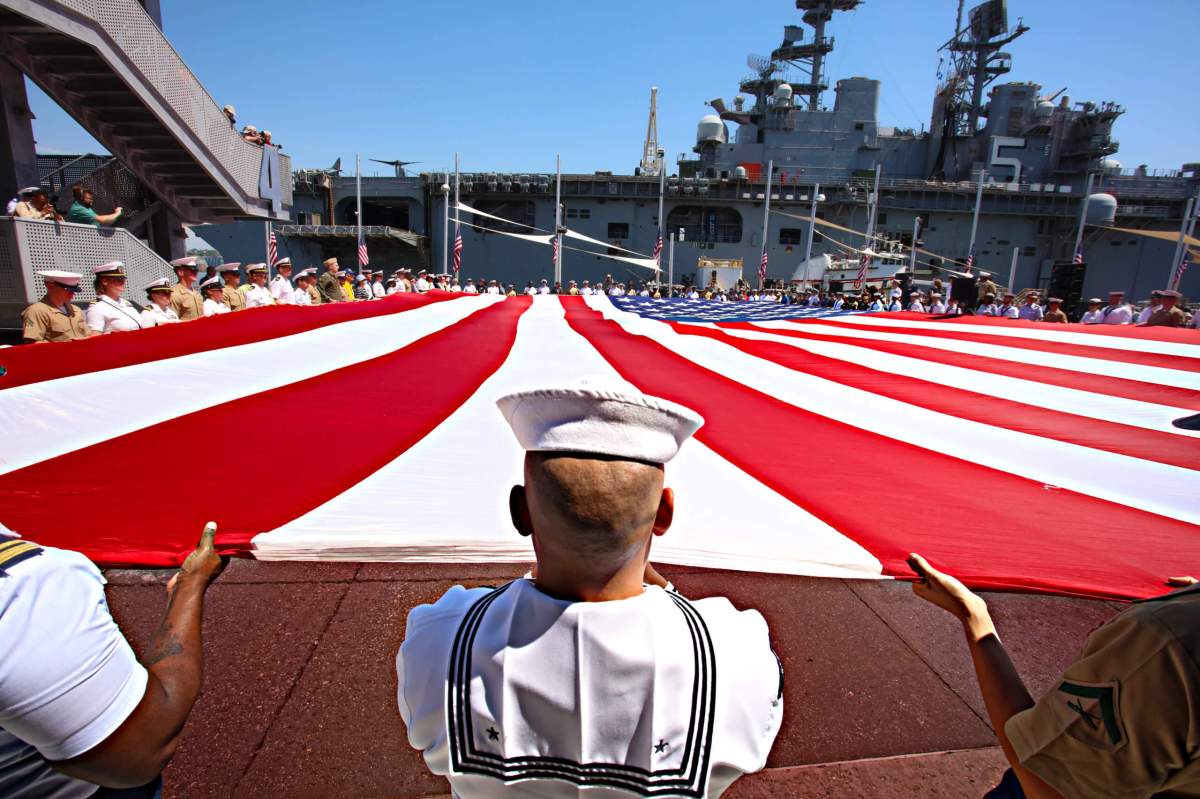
(153, 316)
(107, 315)
(1091, 317)
(68, 678)
(511, 692)
(1008, 311)
(916, 306)
(937, 307)
(1147, 312)
(378, 290)
(1117, 314)
(1031, 313)
(258, 296)
(282, 290)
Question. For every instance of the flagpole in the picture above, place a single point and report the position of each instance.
(456, 219)
(267, 226)
(445, 222)
(358, 211)
(1087, 196)
(1186, 228)
(975, 220)
(812, 227)
(558, 252)
(1012, 271)
(662, 223)
(912, 256)
(762, 277)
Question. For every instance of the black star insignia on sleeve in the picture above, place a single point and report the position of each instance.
(661, 747)
(493, 734)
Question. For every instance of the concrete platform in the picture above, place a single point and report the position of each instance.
(299, 695)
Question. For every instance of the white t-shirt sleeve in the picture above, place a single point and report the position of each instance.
(68, 677)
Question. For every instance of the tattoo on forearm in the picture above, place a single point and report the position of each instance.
(166, 645)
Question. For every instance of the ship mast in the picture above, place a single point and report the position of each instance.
(652, 157)
(976, 61)
(809, 59)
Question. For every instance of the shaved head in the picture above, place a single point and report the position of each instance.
(592, 505)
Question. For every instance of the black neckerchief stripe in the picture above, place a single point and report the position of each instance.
(464, 758)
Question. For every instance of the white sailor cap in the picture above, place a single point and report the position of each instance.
(60, 277)
(229, 266)
(602, 417)
(283, 262)
(110, 269)
(162, 284)
(189, 261)
(1096, 300)
(213, 282)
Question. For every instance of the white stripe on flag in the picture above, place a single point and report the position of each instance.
(420, 484)
(96, 406)
(1149, 486)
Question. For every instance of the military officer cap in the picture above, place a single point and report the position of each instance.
(68, 280)
(110, 269)
(188, 262)
(1095, 300)
(29, 191)
(329, 262)
(256, 268)
(1156, 293)
(378, 272)
(162, 284)
(1008, 294)
(283, 262)
(213, 282)
(599, 417)
(1054, 300)
(229, 266)
(1116, 293)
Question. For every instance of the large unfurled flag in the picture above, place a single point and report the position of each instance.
(272, 253)
(363, 259)
(1069, 426)
(863, 262)
(458, 247)
(762, 267)
(658, 248)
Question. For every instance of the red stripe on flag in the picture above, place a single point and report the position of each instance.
(33, 364)
(1073, 544)
(405, 394)
(1111, 353)
(1176, 335)
(1082, 381)
(1084, 431)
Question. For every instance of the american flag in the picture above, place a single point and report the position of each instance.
(458, 244)
(1177, 279)
(1078, 256)
(272, 253)
(762, 268)
(1043, 421)
(658, 247)
(363, 259)
(863, 263)
(970, 260)
(554, 252)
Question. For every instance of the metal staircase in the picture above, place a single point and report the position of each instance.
(107, 64)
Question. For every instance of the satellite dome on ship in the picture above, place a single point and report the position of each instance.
(710, 129)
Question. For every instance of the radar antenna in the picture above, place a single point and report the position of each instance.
(976, 61)
(761, 65)
(809, 58)
(652, 156)
(398, 165)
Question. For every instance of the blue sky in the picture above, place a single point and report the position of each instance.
(509, 85)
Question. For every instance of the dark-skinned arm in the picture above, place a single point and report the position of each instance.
(141, 747)
(1003, 691)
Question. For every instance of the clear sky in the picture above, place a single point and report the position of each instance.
(508, 85)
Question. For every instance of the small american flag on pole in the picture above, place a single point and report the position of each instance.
(458, 245)
(762, 268)
(657, 254)
(272, 252)
(363, 259)
(554, 252)
(1078, 257)
(1178, 277)
(863, 262)
(970, 260)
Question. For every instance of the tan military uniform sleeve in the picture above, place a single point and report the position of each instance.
(36, 322)
(1124, 720)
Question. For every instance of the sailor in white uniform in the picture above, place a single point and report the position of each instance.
(258, 295)
(876, 305)
(1030, 311)
(935, 303)
(470, 288)
(1117, 312)
(839, 302)
(111, 312)
(544, 288)
(377, 287)
(916, 306)
(591, 676)
(1148, 311)
(1093, 315)
(281, 285)
(1006, 309)
(894, 304)
(422, 285)
(159, 311)
(211, 289)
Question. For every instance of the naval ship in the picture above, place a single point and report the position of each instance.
(1034, 154)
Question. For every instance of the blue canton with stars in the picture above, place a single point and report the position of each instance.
(680, 309)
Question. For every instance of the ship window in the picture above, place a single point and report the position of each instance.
(791, 235)
(618, 230)
(706, 224)
(1003, 242)
(881, 219)
(572, 213)
(519, 212)
(858, 126)
(1114, 244)
(585, 213)
(1029, 252)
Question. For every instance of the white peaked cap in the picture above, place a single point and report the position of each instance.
(211, 282)
(59, 276)
(187, 261)
(599, 416)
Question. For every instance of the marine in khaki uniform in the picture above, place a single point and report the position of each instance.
(1169, 314)
(1122, 721)
(314, 296)
(54, 317)
(986, 286)
(1054, 311)
(235, 299)
(184, 299)
(328, 284)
